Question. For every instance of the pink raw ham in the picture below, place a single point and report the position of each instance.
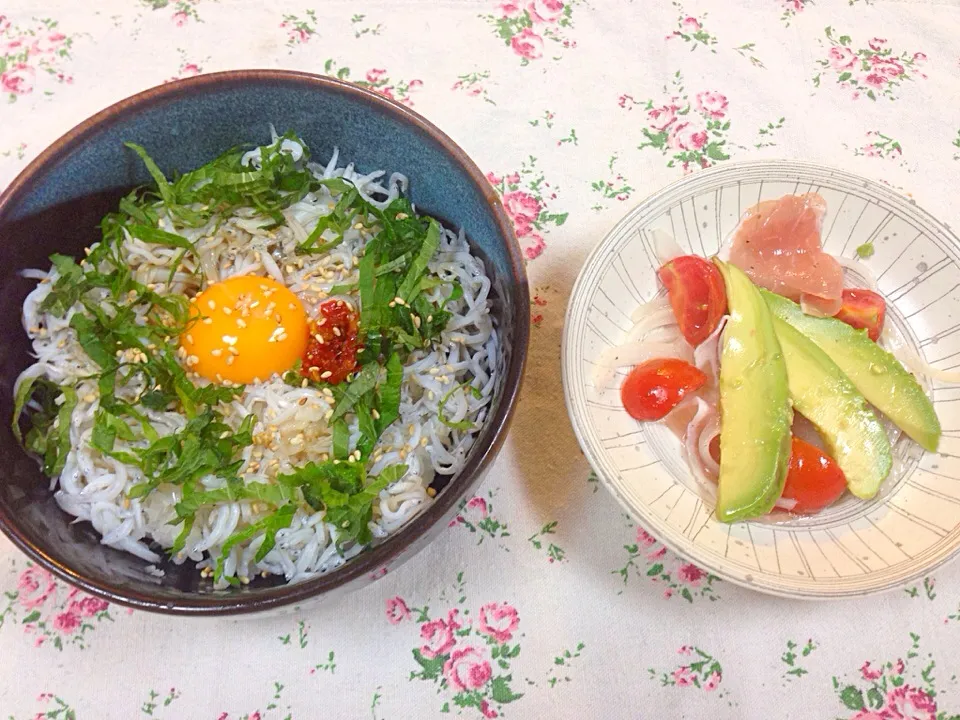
(777, 244)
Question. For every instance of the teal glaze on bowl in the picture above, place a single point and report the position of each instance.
(56, 203)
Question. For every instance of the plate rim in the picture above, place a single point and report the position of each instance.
(665, 534)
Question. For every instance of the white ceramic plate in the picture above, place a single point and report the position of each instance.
(855, 547)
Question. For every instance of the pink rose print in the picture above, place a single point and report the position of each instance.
(510, 9)
(690, 24)
(685, 136)
(712, 104)
(712, 681)
(35, 586)
(88, 606)
(494, 179)
(661, 118)
(841, 58)
(467, 669)
(18, 80)
(48, 43)
(180, 18)
(526, 195)
(4, 23)
(657, 553)
(872, 71)
(682, 677)
(486, 710)
(527, 44)
(438, 637)
(526, 25)
(645, 539)
(499, 621)
(66, 622)
(910, 702)
(870, 673)
(899, 667)
(190, 69)
(919, 58)
(397, 610)
(871, 715)
(691, 574)
(692, 30)
(536, 247)
(521, 206)
(375, 75)
(479, 504)
(545, 11)
(704, 672)
(650, 561)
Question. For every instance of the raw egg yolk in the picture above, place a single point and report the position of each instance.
(244, 329)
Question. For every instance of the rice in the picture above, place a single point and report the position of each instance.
(291, 427)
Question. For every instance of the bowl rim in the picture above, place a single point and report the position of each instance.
(372, 561)
(638, 512)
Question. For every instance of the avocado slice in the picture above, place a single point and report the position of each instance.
(755, 413)
(821, 392)
(877, 374)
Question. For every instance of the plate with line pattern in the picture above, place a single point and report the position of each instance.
(854, 547)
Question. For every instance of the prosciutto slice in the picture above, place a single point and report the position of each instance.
(777, 244)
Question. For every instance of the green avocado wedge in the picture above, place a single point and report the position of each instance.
(755, 412)
(821, 392)
(877, 374)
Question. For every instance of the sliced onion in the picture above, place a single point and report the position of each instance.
(653, 320)
(666, 247)
(706, 356)
(642, 311)
(711, 429)
(855, 266)
(787, 504)
(916, 364)
(637, 352)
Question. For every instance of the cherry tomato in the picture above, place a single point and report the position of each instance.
(331, 352)
(814, 480)
(696, 292)
(863, 309)
(654, 388)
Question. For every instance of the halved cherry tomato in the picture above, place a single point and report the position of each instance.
(654, 388)
(863, 309)
(814, 480)
(697, 296)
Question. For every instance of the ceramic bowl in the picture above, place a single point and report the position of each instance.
(854, 547)
(56, 203)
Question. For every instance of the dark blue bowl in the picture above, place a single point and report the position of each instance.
(56, 203)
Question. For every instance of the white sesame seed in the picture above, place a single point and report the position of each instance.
(399, 300)
(227, 311)
(304, 383)
(240, 323)
(229, 360)
(336, 331)
(208, 321)
(416, 320)
(376, 415)
(211, 304)
(229, 339)
(216, 352)
(190, 338)
(325, 374)
(232, 350)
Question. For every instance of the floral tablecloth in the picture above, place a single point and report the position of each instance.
(543, 600)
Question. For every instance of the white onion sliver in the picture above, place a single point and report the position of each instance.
(787, 504)
(654, 320)
(642, 311)
(706, 356)
(916, 364)
(666, 247)
(855, 266)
